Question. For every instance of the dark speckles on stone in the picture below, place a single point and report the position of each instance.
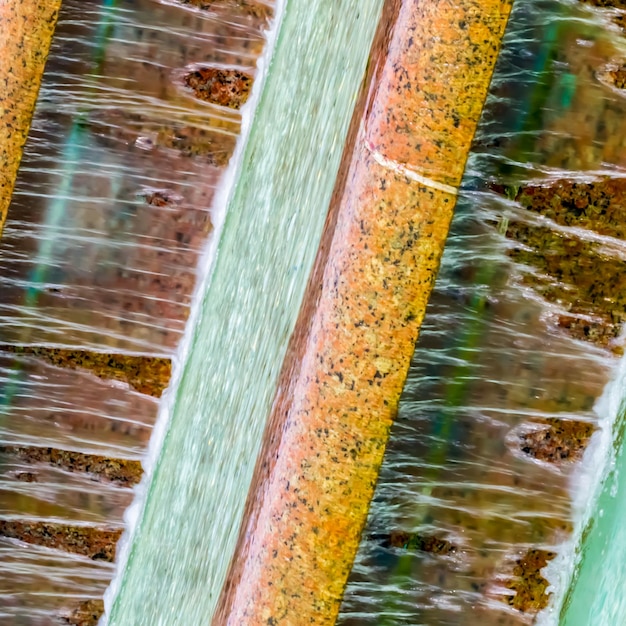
(121, 471)
(148, 375)
(96, 543)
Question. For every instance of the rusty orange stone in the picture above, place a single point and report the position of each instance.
(224, 87)
(349, 355)
(27, 27)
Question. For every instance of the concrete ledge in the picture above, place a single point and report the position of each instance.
(351, 349)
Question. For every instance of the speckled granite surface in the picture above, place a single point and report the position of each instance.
(356, 334)
(27, 27)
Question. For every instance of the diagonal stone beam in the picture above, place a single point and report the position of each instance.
(27, 27)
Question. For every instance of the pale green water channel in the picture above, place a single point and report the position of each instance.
(186, 533)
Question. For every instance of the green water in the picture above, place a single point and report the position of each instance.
(597, 596)
(186, 534)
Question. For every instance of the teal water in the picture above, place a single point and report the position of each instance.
(188, 524)
(596, 595)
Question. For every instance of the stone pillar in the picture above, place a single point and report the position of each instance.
(350, 353)
(27, 27)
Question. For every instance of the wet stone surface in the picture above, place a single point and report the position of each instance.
(257, 10)
(614, 75)
(87, 613)
(213, 144)
(418, 542)
(529, 585)
(579, 267)
(606, 4)
(149, 375)
(559, 441)
(122, 471)
(26, 477)
(139, 159)
(95, 543)
(227, 88)
(617, 18)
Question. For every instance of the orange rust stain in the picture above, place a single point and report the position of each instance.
(27, 27)
(357, 330)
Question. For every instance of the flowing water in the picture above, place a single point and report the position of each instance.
(111, 213)
(505, 423)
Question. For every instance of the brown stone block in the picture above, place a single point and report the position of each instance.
(560, 440)
(123, 471)
(579, 265)
(149, 375)
(96, 543)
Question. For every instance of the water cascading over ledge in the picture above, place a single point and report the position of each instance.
(109, 217)
(514, 393)
(384, 161)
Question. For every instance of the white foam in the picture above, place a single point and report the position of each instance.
(585, 489)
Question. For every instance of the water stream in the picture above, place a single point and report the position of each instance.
(511, 414)
(504, 426)
(185, 537)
